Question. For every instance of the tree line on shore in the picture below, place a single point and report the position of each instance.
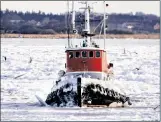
(42, 23)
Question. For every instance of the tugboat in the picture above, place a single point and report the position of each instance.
(86, 81)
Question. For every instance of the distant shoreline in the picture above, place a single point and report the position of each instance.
(57, 36)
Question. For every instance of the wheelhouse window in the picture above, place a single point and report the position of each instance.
(77, 54)
(90, 54)
(98, 54)
(71, 55)
(84, 54)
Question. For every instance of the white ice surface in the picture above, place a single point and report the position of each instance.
(21, 80)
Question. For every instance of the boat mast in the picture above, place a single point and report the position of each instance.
(87, 24)
(73, 18)
(104, 20)
(68, 23)
(86, 30)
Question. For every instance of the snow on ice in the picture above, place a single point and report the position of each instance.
(29, 67)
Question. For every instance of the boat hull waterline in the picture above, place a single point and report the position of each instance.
(86, 92)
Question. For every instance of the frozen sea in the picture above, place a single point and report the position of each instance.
(31, 68)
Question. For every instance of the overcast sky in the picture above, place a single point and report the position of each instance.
(148, 7)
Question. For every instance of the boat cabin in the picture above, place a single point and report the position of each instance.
(87, 60)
